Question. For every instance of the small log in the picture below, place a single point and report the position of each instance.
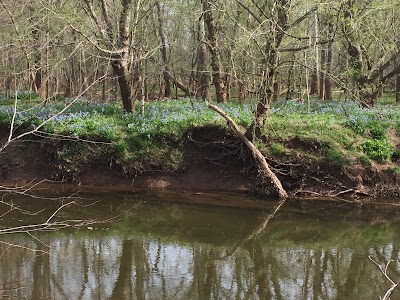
(256, 153)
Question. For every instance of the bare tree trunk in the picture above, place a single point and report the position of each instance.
(368, 82)
(167, 86)
(125, 84)
(273, 41)
(203, 73)
(39, 84)
(328, 81)
(322, 91)
(228, 86)
(104, 90)
(398, 88)
(314, 88)
(290, 84)
(83, 82)
(179, 85)
(241, 92)
(56, 85)
(161, 88)
(212, 37)
(39, 74)
(118, 42)
(275, 93)
(115, 88)
(326, 65)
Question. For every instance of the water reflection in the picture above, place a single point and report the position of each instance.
(177, 251)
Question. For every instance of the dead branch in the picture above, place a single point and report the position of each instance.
(12, 139)
(384, 272)
(264, 167)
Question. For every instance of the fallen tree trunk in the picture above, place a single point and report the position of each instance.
(256, 153)
(179, 84)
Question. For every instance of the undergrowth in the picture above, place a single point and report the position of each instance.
(338, 132)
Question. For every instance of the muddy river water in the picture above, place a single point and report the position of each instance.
(150, 245)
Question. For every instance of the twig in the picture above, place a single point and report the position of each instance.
(57, 210)
(384, 272)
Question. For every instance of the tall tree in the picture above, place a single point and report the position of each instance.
(278, 25)
(325, 85)
(203, 74)
(115, 35)
(372, 60)
(314, 86)
(211, 22)
(164, 55)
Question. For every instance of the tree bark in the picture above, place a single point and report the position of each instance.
(104, 90)
(273, 41)
(326, 65)
(322, 91)
(203, 74)
(398, 88)
(289, 83)
(125, 84)
(314, 86)
(368, 79)
(328, 80)
(118, 41)
(179, 84)
(213, 46)
(264, 167)
(164, 56)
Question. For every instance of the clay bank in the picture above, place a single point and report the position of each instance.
(332, 149)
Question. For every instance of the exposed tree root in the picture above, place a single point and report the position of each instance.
(264, 167)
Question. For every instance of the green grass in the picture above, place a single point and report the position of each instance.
(338, 132)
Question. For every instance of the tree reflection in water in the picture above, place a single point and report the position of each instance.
(294, 258)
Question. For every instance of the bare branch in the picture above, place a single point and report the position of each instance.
(384, 271)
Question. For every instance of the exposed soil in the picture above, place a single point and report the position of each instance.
(22, 163)
(214, 160)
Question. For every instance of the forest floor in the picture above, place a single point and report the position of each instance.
(214, 160)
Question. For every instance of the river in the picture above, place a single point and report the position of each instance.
(170, 245)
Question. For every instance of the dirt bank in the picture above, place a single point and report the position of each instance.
(214, 160)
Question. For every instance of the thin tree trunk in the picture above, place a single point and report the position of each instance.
(212, 37)
(290, 84)
(328, 81)
(241, 92)
(161, 88)
(104, 90)
(273, 42)
(39, 85)
(203, 73)
(228, 86)
(276, 89)
(314, 86)
(115, 89)
(167, 86)
(322, 89)
(398, 88)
